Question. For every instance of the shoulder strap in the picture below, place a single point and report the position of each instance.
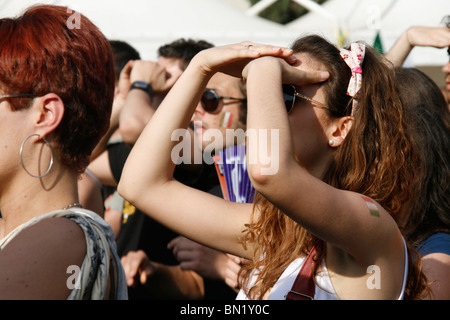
(304, 286)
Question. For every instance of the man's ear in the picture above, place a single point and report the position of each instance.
(49, 110)
(339, 130)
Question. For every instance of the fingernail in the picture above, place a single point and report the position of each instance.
(324, 75)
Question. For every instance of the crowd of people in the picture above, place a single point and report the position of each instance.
(96, 203)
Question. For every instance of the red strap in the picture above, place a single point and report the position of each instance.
(304, 286)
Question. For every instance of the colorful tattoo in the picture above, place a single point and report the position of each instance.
(372, 206)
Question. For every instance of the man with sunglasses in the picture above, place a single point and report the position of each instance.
(142, 242)
(151, 80)
(222, 107)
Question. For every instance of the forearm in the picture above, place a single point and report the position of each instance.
(400, 50)
(267, 123)
(136, 113)
(437, 37)
(155, 142)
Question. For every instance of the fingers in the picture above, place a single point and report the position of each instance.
(438, 37)
(182, 243)
(124, 78)
(172, 243)
(312, 76)
(147, 71)
(177, 247)
(262, 49)
(126, 70)
(232, 271)
(253, 50)
(231, 59)
(184, 256)
(133, 264)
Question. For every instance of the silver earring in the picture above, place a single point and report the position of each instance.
(23, 164)
(331, 142)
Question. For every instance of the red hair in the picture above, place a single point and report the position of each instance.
(42, 51)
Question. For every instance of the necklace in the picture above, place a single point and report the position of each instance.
(73, 205)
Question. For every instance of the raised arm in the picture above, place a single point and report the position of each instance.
(438, 37)
(139, 105)
(338, 217)
(147, 178)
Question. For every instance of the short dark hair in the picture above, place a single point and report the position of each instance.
(446, 21)
(183, 49)
(123, 52)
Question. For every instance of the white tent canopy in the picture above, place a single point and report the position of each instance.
(148, 24)
(362, 19)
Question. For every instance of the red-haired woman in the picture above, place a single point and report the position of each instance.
(345, 164)
(56, 92)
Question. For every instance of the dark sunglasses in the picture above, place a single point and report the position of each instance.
(210, 101)
(289, 95)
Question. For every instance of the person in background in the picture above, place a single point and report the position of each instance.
(96, 186)
(56, 95)
(141, 86)
(222, 107)
(211, 265)
(438, 37)
(427, 224)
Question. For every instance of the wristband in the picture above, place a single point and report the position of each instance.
(144, 86)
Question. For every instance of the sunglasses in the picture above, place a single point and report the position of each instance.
(290, 93)
(210, 101)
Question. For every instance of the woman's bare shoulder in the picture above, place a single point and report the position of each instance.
(43, 256)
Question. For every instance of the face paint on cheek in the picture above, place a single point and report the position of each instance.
(225, 120)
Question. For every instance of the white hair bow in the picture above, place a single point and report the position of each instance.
(354, 59)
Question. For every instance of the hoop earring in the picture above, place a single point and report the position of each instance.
(21, 158)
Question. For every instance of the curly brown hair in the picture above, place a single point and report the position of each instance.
(363, 164)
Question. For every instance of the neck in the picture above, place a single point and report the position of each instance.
(26, 198)
(320, 166)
